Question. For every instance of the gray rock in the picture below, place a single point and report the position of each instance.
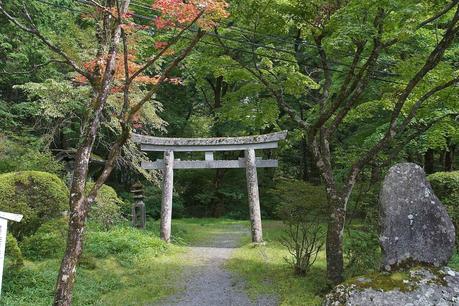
(415, 227)
(418, 286)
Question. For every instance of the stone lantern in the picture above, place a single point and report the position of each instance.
(138, 207)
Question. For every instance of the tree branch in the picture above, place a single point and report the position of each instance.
(35, 32)
(167, 47)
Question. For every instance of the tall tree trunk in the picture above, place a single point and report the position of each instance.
(79, 203)
(429, 161)
(305, 161)
(334, 244)
(218, 205)
(63, 295)
(77, 218)
(449, 158)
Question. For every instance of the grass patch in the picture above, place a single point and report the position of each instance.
(123, 266)
(266, 272)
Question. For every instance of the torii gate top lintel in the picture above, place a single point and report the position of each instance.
(266, 141)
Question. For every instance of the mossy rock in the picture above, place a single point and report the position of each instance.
(420, 285)
(38, 196)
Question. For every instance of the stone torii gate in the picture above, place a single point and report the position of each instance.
(248, 144)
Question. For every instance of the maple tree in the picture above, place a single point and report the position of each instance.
(115, 68)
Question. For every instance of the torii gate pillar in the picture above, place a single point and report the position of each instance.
(253, 196)
(166, 203)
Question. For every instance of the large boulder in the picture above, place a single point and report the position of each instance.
(416, 286)
(415, 227)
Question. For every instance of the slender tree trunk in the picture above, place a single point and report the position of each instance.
(218, 205)
(63, 295)
(305, 161)
(334, 244)
(78, 214)
(429, 161)
(449, 158)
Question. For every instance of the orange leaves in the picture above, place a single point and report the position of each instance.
(177, 13)
(97, 67)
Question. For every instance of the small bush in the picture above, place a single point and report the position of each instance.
(302, 209)
(39, 196)
(124, 243)
(108, 209)
(362, 252)
(13, 252)
(446, 188)
(48, 241)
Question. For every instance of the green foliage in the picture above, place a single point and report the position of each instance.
(125, 243)
(21, 156)
(39, 196)
(361, 247)
(299, 201)
(48, 241)
(152, 200)
(108, 208)
(302, 209)
(13, 253)
(362, 252)
(446, 188)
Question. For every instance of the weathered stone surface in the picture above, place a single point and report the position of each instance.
(415, 287)
(415, 227)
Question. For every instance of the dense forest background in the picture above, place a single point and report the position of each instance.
(359, 85)
(42, 106)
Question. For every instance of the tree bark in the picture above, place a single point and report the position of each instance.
(449, 158)
(334, 244)
(66, 279)
(429, 161)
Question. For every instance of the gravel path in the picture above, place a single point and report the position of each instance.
(206, 282)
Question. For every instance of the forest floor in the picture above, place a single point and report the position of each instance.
(206, 281)
(210, 262)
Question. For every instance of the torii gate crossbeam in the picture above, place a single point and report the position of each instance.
(248, 144)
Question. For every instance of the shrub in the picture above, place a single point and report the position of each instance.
(446, 187)
(16, 156)
(13, 252)
(108, 209)
(361, 246)
(48, 241)
(302, 209)
(361, 249)
(125, 243)
(39, 196)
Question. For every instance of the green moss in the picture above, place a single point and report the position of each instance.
(402, 280)
(382, 281)
(39, 196)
